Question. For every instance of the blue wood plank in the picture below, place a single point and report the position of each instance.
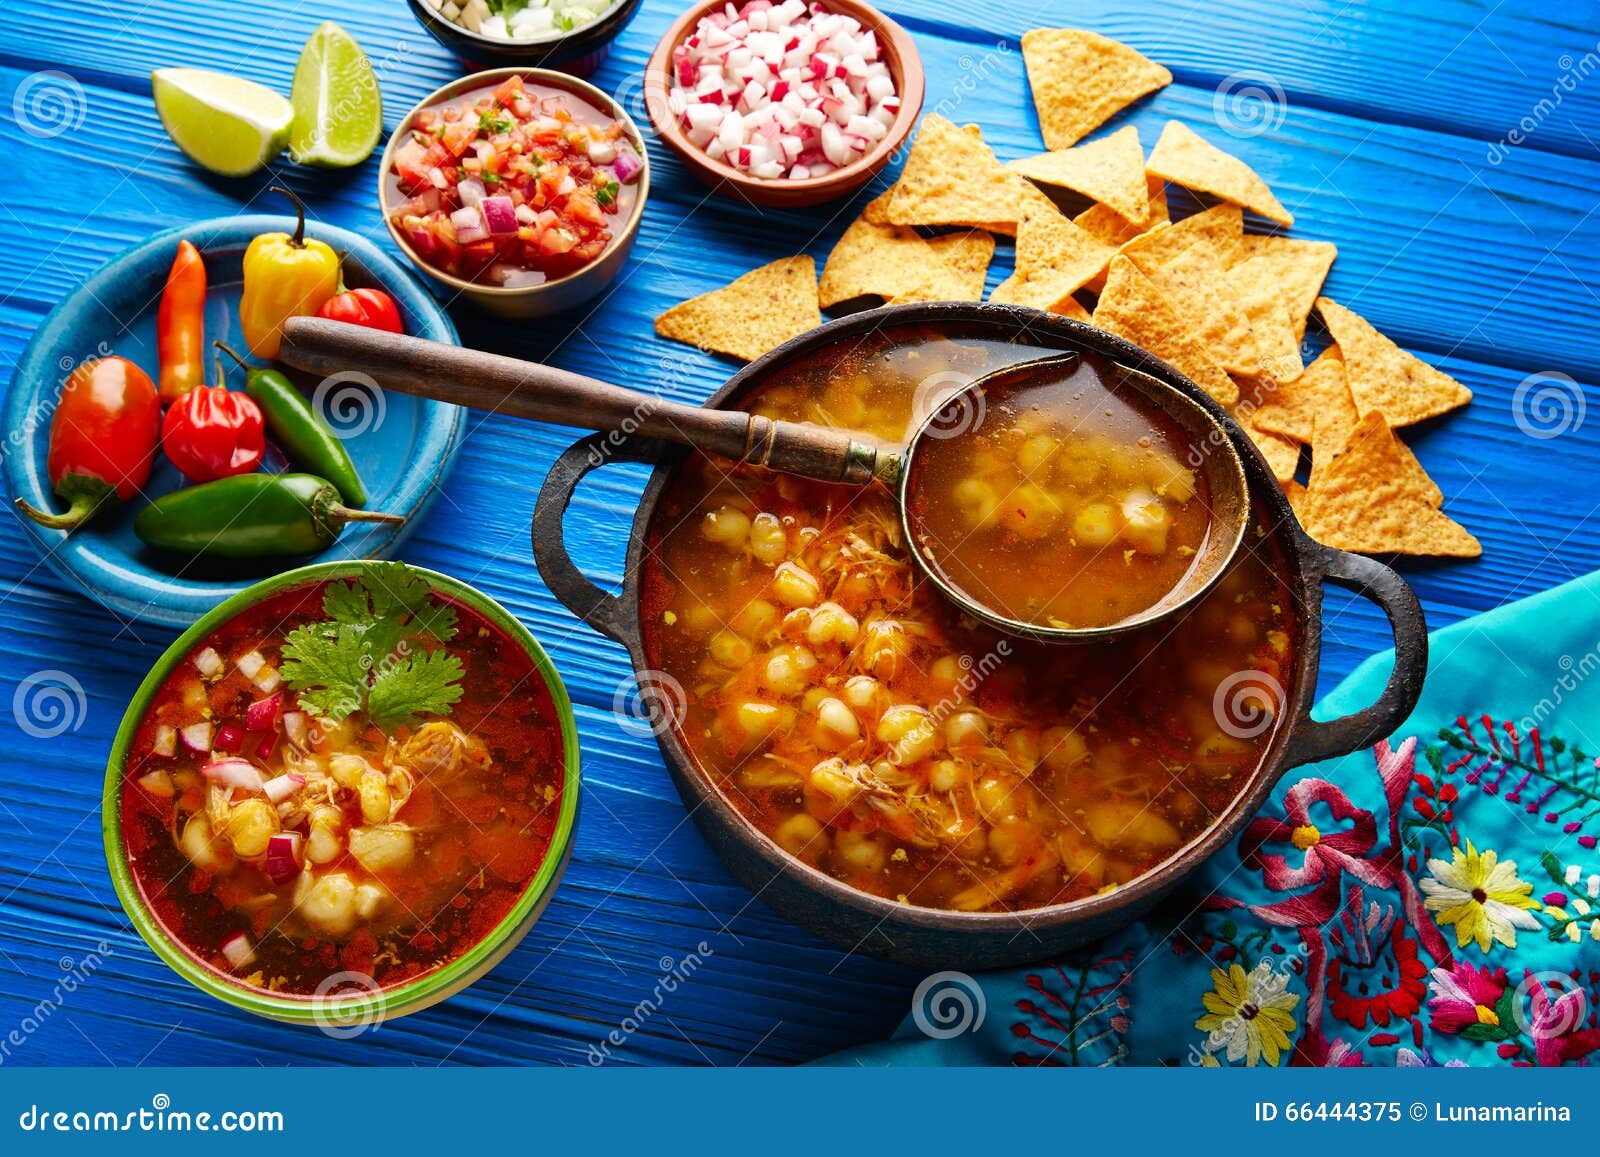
(1385, 144)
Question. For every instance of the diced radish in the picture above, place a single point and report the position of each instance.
(785, 71)
(250, 663)
(208, 663)
(281, 787)
(196, 737)
(158, 783)
(267, 679)
(262, 715)
(294, 726)
(284, 856)
(239, 773)
(260, 744)
(166, 741)
(230, 738)
(237, 951)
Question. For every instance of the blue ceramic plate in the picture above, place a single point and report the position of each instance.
(403, 446)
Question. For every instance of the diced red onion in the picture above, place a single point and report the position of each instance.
(239, 773)
(237, 950)
(281, 787)
(471, 190)
(230, 738)
(196, 737)
(469, 224)
(499, 214)
(208, 662)
(627, 166)
(165, 742)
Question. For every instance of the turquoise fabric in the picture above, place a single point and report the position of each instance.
(1433, 901)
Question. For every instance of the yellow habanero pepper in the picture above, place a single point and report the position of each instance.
(284, 277)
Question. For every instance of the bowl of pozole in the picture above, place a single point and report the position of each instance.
(344, 794)
(909, 781)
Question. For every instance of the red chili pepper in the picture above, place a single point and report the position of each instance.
(212, 432)
(180, 325)
(372, 308)
(102, 440)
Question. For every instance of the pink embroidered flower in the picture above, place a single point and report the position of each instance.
(1555, 1024)
(1316, 854)
(1463, 996)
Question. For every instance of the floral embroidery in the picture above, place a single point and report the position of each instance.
(1382, 989)
(1249, 1014)
(1464, 998)
(1340, 849)
(1482, 896)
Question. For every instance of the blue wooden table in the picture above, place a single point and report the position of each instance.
(1451, 149)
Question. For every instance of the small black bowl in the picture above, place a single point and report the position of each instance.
(578, 52)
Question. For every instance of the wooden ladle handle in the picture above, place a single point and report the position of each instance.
(493, 382)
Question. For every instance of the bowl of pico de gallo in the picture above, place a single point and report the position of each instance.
(518, 189)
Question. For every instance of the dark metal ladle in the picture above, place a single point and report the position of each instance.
(500, 384)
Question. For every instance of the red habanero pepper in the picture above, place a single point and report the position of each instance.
(372, 308)
(180, 325)
(102, 440)
(212, 432)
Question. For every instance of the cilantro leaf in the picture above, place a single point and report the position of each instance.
(371, 654)
(424, 683)
(328, 669)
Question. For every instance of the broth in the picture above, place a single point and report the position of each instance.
(851, 714)
(1068, 503)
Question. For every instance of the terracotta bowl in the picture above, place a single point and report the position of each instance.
(547, 297)
(905, 65)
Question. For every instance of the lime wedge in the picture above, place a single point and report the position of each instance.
(338, 110)
(224, 123)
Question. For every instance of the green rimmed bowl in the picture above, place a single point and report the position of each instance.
(347, 1005)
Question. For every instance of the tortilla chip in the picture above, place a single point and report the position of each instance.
(952, 178)
(1259, 299)
(1383, 377)
(1314, 408)
(1369, 499)
(1107, 225)
(1055, 258)
(895, 262)
(1188, 262)
(1110, 171)
(1296, 494)
(1132, 307)
(1282, 454)
(1074, 309)
(1183, 157)
(1079, 79)
(1298, 269)
(752, 314)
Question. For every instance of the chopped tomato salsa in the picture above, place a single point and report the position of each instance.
(514, 185)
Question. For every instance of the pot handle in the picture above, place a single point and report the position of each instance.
(1313, 740)
(601, 609)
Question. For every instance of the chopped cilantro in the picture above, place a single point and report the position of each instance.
(371, 653)
(489, 124)
(606, 194)
(490, 178)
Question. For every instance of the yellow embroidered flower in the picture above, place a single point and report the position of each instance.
(1250, 1014)
(1482, 896)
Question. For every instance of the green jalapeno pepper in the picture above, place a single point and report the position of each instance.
(251, 516)
(304, 435)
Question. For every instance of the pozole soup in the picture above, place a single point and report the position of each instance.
(844, 708)
(1059, 499)
(347, 777)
